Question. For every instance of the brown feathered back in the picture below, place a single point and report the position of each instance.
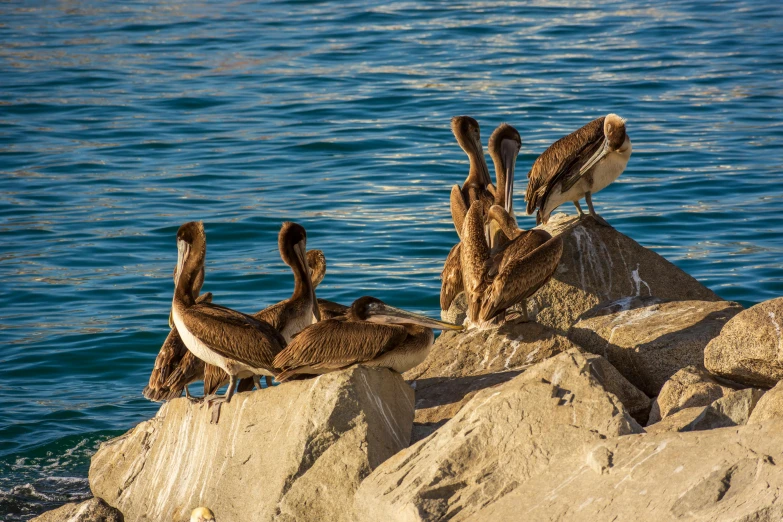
(550, 166)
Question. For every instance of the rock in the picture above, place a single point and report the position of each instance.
(690, 387)
(731, 474)
(749, 349)
(634, 400)
(462, 363)
(600, 264)
(770, 406)
(733, 409)
(293, 452)
(649, 339)
(681, 420)
(501, 438)
(93, 510)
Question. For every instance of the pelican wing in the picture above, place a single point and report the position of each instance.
(273, 315)
(562, 162)
(214, 378)
(189, 369)
(234, 335)
(519, 247)
(521, 278)
(451, 278)
(458, 208)
(473, 254)
(337, 343)
(330, 309)
(167, 361)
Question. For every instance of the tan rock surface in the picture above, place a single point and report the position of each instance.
(690, 387)
(681, 420)
(648, 339)
(462, 363)
(749, 349)
(733, 409)
(93, 510)
(601, 264)
(501, 438)
(728, 474)
(294, 452)
(769, 407)
(634, 400)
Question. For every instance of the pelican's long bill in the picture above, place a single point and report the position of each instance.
(509, 151)
(383, 313)
(183, 249)
(598, 156)
(301, 256)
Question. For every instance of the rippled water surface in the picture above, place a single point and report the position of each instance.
(119, 121)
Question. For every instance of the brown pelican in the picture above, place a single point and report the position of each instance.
(504, 145)
(179, 367)
(171, 353)
(239, 344)
(497, 279)
(172, 360)
(477, 185)
(577, 166)
(372, 333)
(300, 310)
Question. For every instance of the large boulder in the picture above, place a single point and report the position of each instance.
(601, 264)
(293, 452)
(749, 349)
(729, 474)
(690, 387)
(92, 510)
(501, 438)
(770, 406)
(462, 363)
(649, 339)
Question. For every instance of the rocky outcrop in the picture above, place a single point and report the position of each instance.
(600, 264)
(690, 387)
(93, 510)
(649, 339)
(749, 349)
(462, 363)
(293, 452)
(769, 407)
(501, 438)
(730, 474)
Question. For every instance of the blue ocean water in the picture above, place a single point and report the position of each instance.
(121, 120)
